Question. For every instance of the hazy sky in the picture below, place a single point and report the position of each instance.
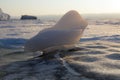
(46, 7)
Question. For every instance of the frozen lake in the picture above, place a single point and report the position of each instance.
(98, 57)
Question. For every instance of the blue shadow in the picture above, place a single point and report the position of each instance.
(12, 42)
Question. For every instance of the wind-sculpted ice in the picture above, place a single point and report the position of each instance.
(3, 16)
(63, 35)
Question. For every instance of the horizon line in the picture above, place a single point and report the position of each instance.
(63, 14)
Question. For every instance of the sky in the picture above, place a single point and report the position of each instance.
(58, 7)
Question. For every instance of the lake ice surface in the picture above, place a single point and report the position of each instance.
(16, 32)
(100, 38)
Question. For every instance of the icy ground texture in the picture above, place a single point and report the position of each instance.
(14, 33)
(97, 59)
(94, 60)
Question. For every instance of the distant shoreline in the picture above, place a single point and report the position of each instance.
(91, 15)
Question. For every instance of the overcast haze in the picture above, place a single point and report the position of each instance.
(51, 7)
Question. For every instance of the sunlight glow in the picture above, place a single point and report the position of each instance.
(48, 7)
